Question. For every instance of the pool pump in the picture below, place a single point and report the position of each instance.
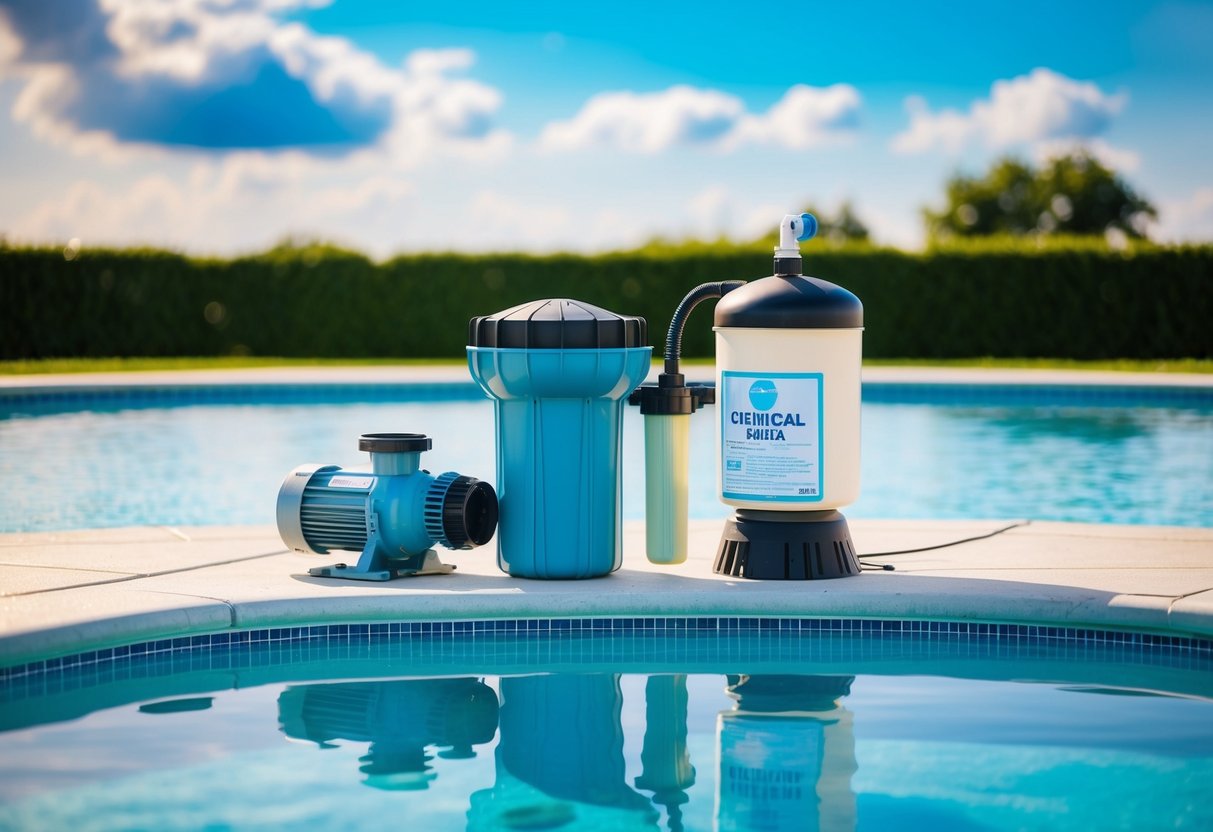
(393, 514)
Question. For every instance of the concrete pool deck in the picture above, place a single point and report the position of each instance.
(70, 592)
(455, 373)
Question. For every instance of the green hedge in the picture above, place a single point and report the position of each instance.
(1080, 303)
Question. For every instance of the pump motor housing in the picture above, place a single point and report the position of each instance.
(392, 513)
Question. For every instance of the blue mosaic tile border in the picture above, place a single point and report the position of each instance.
(172, 395)
(1039, 395)
(1017, 635)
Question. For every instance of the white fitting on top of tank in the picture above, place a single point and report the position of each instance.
(794, 229)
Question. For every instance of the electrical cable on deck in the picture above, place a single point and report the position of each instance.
(1016, 525)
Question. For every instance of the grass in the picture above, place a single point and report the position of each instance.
(123, 365)
(1124, 365)
(136, 365)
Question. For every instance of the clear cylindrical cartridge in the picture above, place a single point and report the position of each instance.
(666, 464)
(667, 407)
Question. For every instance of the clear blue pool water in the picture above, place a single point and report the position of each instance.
(696, 731)
(968, 453)
(717, 730)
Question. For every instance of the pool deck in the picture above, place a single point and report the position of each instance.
(70, 592)
(458, 374)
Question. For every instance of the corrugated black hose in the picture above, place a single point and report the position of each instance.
(673, 338)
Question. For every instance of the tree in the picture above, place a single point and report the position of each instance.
(1071, 194)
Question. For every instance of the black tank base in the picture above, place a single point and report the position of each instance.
(786, 546)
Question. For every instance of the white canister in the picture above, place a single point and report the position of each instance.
(789, 350)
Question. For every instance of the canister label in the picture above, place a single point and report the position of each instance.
(771, 436)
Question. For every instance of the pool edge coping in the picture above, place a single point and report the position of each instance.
(267, 589)
(457, 374)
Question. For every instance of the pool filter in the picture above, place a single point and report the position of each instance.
(558, 371)
(392, 514)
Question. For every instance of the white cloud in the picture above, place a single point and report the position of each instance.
(720, 211)
(437, 112)
(612, 229)
(717, 211)
(334, 67)
(244, 203)
(894, 225)
(687, 116)
(1118, 159)
(1189, 219)
(181, 40)
(439, 61)
(805, 117)
(710, 212)
(503, 222)
(216, 76)
(1040, 106)
(91, 213)
(646, 122)
(10, 44)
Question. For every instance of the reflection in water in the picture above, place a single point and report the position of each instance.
(785, 750)
(787, 755)
(668, 772)
(578, 751)
(177, 706)
(398, 718)
(560, 759)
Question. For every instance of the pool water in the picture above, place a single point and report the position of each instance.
(723, 732)
(221, 464)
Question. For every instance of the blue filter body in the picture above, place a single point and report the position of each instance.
(559, 416)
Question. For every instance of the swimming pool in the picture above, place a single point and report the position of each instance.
(207, 456)
(577, 722)
(697, 724)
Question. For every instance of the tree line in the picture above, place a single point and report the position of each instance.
(1073, 194)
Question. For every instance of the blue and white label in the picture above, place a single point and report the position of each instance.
(771, 436)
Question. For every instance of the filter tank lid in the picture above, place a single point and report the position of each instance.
(790, 302)
(557, 323)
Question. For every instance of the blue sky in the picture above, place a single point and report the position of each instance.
(221, 126)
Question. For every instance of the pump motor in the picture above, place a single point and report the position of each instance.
(393, 514)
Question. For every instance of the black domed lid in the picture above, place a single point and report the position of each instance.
(557, 323)
(394, 443)
(790, 302)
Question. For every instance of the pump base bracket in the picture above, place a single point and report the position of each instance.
(786, 546)
(429, 565)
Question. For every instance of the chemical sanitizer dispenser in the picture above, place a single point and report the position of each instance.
(788, 355)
